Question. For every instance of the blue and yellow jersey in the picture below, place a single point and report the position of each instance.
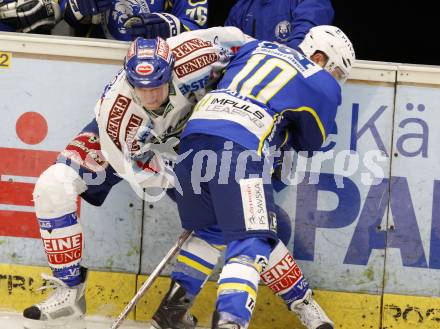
(270, 95)
(193, 14)
(284, 21)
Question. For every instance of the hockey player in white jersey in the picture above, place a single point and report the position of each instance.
(155, 91)
(154, 94)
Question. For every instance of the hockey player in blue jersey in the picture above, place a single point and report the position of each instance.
(284, 21)
(113, 19)
(127, 19)
(270, 97)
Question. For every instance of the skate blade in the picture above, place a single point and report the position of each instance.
(55, 324)
(154, 325)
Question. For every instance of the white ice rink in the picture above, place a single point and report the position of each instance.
(16, 321)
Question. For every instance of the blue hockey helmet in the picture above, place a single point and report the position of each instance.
(149, 63)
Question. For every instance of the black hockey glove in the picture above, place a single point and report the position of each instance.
(28, 15)
(153, 25)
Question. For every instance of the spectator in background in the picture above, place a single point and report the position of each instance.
(284, 21)
(113, 19)
(128, 19)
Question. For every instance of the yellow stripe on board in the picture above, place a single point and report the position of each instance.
(192, 263)
(411, 312)
(108, 293)
(347, 310)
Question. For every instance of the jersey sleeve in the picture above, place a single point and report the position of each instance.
(193, 14)
(202, 55)
(224, 37)
(305, 131)
(308, 126)
(307, 14)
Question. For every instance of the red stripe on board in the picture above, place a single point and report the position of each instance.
(15, 193)
(20, 162)
(19, 224)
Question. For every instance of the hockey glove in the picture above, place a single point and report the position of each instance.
(278, 162)
(91, 7)
(153, 25)
(28, 15)
(278, 167)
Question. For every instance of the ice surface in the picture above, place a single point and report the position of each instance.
(16, 321)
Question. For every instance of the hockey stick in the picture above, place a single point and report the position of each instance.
(147, 284)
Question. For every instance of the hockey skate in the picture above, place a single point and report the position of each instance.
(222, 324)
(65, 307)
(226, 325)
(310, 313)
(173, 311)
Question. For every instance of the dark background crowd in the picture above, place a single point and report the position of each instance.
(381, 30)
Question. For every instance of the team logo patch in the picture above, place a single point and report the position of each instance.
(283, 30)
(130, 132)
(254, 204)
(85, 150)
(64, 250)
(117, 113)
(283, 275)
(195, 64)
(144, 69)
(188, 47)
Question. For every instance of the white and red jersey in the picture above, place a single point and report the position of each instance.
(200, 56)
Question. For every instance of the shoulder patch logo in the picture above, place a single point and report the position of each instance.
(283, 30)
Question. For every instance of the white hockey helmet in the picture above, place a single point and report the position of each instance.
(335, 44)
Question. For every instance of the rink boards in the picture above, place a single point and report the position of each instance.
(366, 228)
(108, 293)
